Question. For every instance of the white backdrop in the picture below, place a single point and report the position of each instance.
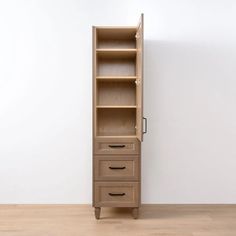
(189, 153)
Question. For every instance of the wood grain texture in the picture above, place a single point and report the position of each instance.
(104, 146)
(119, 93)
(116, 121)
(116, 194)
(119, 168)
(154, 220)
(117, 85)
(108, 65)
(139, 81)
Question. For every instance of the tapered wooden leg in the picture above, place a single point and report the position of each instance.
(135, 213)
(97, 212)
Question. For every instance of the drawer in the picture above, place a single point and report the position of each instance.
(116, 146)
(116, 194)
(116, 167)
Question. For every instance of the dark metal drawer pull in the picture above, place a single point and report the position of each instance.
(117, 167)
(116, 194)
(145, 122)
(116, 145)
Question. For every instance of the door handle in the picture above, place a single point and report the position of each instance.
(145, 126)
(116, 145)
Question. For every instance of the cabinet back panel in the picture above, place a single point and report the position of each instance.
(116, 38)
(116, 93)
(116, 121)
(116, 67)
(116, 44)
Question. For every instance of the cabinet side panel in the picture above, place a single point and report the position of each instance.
(94, 58)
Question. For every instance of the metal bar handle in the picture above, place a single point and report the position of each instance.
(116, 145)
(145, 122)
(117, 167)
(116, 194)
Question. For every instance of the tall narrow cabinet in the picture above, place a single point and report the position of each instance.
(117, 116)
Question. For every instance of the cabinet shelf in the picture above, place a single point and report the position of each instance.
(116, 52)
(116, 136)
(104, 50)
(116, 78)
(115, 106)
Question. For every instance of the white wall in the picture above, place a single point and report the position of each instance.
(189, 153)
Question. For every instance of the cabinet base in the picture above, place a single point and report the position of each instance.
(97, 212)
(135, 212)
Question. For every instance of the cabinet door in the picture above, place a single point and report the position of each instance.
(139, 80)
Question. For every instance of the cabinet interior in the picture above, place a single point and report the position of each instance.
(116, 93)
(115, 81)
(114, 64)
(116, 121)
(116, 38)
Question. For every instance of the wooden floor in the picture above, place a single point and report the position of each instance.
(78, 220)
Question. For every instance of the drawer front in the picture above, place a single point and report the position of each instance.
(117, 194)
(116, 167)
(116, 146)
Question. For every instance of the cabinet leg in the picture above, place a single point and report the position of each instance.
(97, 212)
(135, 212)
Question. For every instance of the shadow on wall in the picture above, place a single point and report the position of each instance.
(189, 93)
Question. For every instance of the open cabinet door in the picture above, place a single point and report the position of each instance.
(139, 80)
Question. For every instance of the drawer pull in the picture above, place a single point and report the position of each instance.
(117, 167)
(116, 194)
(116, 145)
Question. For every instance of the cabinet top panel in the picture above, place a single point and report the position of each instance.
(116, 32)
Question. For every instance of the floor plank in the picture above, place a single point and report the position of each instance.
(78, 220)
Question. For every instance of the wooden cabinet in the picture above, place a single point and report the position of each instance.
(117, 116)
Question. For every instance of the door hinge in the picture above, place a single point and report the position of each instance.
(137, 82)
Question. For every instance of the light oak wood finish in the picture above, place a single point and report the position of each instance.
(139, 81)
(117, 146)
(112, 106)
(116, 121)
(154, 220)
(109, 65)
(117, 194)
(110, 168)
(123, 37)
(117, 117)
(116, 78)
(120, 93)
